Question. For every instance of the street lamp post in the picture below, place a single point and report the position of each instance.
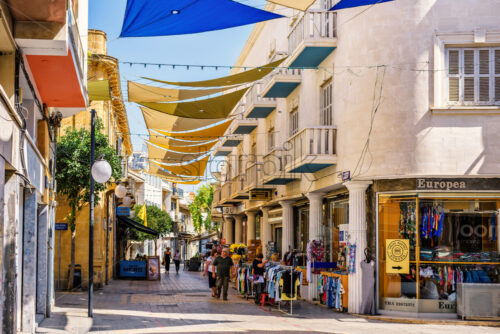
(100, 172)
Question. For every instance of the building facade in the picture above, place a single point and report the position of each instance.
(114, 119)
(380, 122)
(42, 79)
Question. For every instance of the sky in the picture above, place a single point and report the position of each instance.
(211, 48)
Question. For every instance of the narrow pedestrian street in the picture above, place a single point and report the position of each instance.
(182, 304)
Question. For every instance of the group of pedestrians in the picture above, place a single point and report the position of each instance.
(177, 260)
(218, 267)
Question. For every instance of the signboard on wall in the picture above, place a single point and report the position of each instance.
(123, 211)
(61, 227)
(397, 253)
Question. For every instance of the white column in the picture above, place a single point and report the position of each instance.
(250, 225)
(357, 235)
(287, 239)
(238, 229)
(227, 232)
(265, 232)
(315, 233)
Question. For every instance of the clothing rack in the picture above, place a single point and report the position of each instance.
(287, 268)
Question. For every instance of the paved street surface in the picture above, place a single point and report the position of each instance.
(182, 304)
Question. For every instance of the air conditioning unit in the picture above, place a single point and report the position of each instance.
(260, 195)
(478, 300)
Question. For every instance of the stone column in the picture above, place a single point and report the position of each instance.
(238, 229)
(250, 225)
(357, 235)
(227, 232)
(287, 239)
(315, 233)
(42, 263)
(29, 261)
(265, 230)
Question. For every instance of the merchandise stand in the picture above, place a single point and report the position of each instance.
(291, 269)
(250, 293)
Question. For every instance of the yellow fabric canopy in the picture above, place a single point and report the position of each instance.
(302, 5)
(155, 169)
(196, 168)
(145, 93)
(188, 149)
(215, 131)
(99, 90)
(230, 80)
(171, 157)
(159, 139)
(158, 120)
(216, 107)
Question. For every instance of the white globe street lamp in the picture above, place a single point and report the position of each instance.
(101, 171)
(120, 191)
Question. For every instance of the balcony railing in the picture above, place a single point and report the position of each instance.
(256, 94)
(225, 193)
(314, 25)
(238, 186)
(76, 44)
(314, 144)
(35, 165)
(274, 168)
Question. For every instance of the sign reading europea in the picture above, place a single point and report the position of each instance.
(456, 184)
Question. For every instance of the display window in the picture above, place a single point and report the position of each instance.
(337, 215)
(449, 240)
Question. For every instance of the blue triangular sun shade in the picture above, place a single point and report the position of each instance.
(177, 17)
(343, 4)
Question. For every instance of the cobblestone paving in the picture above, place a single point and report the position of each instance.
(182, 304)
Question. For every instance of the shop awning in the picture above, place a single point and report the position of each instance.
(145, 93)
(302, 5)
(99, 90)
(135, 225)
(168, 123)
(343, 4)
(230, 80)
(177, 17)
(216, 107)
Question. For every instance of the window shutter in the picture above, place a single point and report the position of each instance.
(497, 61)
(453, 89)
(469, 62)
(497, 72)
(469, 89)
(453, 61)
(484, 61)
(484, 89)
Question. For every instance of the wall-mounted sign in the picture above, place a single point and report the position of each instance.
(61, 226)
(346, 175)
(453, 184)
(397, 253)
(228, 210)
(260, 195)
(123, 211)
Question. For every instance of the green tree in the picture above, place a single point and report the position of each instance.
(158, 220)
(73, 174)
(202, 206)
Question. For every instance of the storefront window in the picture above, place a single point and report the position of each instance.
(301, 230)
(451, 240)
(338, 214)
(258, 219)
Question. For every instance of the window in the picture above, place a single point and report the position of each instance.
(270, 139)
(473, 75)
(294, 121)
(327, 104)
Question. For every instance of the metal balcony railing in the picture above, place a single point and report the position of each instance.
(76, 44)
(314, 25)
(256, 96)
(313, 141)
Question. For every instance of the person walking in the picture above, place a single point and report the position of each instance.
(209, 269)
(177, 260)
(223, 265)
(166, 259)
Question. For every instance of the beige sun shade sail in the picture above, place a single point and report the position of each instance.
(216, 107)
(188, 149)
(99, 90)
(212, 132)
(230, 80)
(155, 169)
(170, 157)
(145, 93)
(159, 139)
(196, 168)
(302, 5)
(168, 123)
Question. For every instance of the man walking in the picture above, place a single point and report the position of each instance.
(223, 264)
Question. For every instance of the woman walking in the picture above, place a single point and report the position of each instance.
(166, 259)
(177, 260)
(210, 269)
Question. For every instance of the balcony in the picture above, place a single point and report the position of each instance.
(255, 178)
(283, 82)
(222, 151)
(35, 165)
(232, 141)
(238, 186)
(311, 150)
(53, 49)
(242, 125)
(258, 105)
(312, 38)
(274, 169)
(217, 197)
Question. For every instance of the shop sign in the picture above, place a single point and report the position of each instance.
(123, 211)
(416, 305)
(397, 256)
(449, 184)
(61, 227)
(346, 176)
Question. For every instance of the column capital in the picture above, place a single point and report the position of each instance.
(357, 185)
(264, 209)
(286, 203)
(315, 196)
(238, 218)
(251, 213)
